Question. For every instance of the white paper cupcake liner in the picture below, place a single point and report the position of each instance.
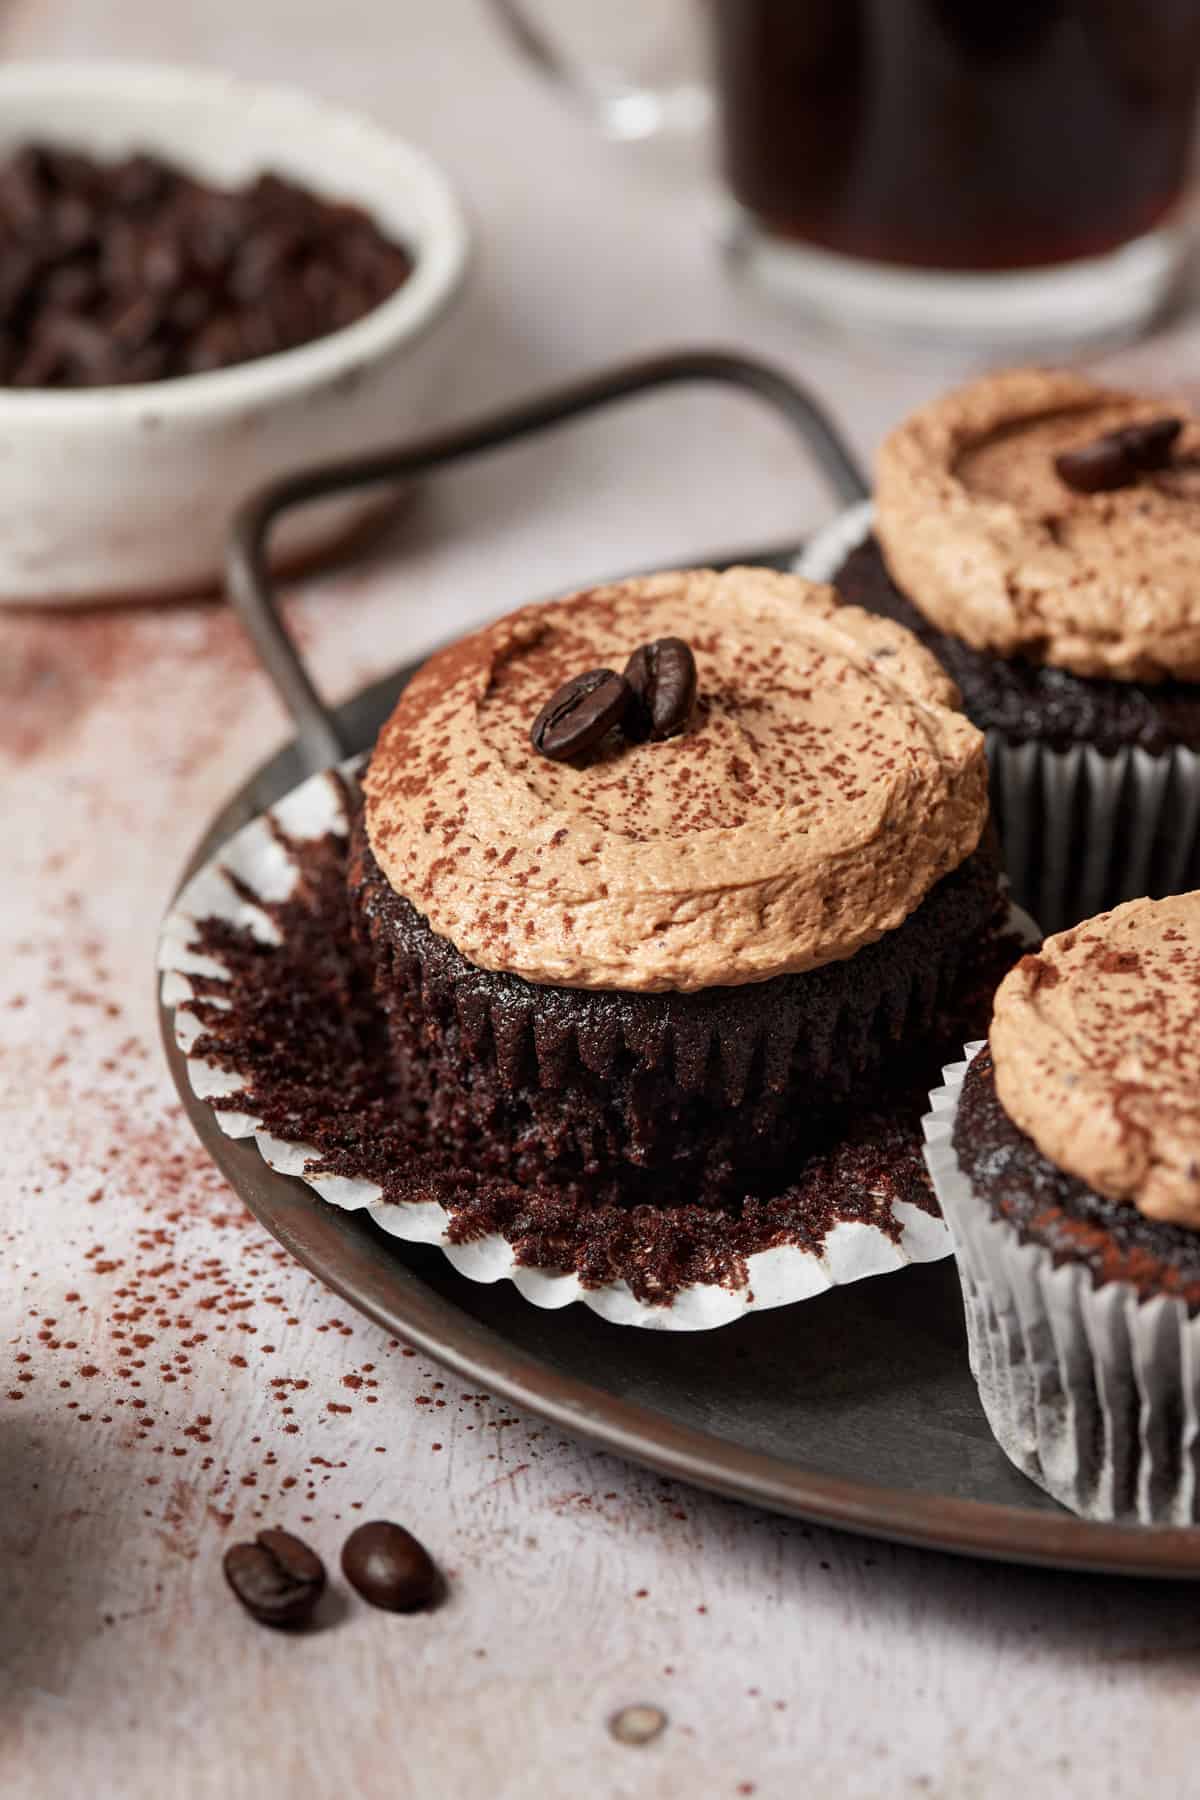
(1090, 1391)
(263, 866)
(1081, 831)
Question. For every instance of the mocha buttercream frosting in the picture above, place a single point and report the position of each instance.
(988, 541)
(1096, 1046)
(826, 783)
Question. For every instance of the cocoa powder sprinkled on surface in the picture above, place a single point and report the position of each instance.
(149, 1314)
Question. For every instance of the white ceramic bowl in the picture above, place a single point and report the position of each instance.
(127, 492)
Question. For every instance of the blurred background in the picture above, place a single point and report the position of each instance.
(586, 149)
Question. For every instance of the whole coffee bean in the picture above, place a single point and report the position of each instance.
(638, 1724)
(389, 1568)
(1117, 459)
(579, 714)
(1096, 468)
(277, 1578)
(663, 678)
(1149, 446)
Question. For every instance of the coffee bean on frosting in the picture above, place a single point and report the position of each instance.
(662, 676)
(1119, 457)
(1149, 445)
(389, 1568)
(1096, 468)
(580, 713)
(277, 1578)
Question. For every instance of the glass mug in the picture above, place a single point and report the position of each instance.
(980, 170)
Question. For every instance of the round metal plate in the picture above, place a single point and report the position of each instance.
(855, 1410)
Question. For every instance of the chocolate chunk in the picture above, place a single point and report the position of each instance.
(389, 1568)
(662, 676)
(1117, 459)
(277, 1578)
(216, 346)
(115, 272)
(72, 286)
(580, 713)
(139, 183)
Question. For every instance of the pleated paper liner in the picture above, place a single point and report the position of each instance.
(676, 1083)
(238, 899)
(1080, 831)
(1092, 1392)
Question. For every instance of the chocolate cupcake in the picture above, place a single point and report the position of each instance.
(1039, 533)
(657, 966)
(1066, 1157)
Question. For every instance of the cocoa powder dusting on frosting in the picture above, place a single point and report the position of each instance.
(985, 538)
(1025, 700)
(758, 843)
(303, 1031)
(1097, 1052)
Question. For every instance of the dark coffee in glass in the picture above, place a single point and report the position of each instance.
(957, 135)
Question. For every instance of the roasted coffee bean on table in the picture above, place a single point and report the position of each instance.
(580, 713)
(1117, 459)
(135, 271)
(663, 678)
(389, 1568)
(277, 1578)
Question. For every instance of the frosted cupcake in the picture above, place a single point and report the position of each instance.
(650, 968)
(1041, 534)
(1066, 1157)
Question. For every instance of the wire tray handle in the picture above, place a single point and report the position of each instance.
(252, 589)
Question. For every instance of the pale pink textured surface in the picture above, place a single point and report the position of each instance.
(579, 1586)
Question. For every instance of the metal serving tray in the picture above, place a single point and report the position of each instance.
(856, 1409)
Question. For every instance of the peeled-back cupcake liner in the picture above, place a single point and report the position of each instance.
(1092, 1392)
(1081, 830)
(258, 862)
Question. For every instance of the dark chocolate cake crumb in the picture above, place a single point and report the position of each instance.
(1047, 1206)
(1026, 701)
(304, 1032)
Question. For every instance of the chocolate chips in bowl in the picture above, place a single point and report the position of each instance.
(135, 270)
(203, 283)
